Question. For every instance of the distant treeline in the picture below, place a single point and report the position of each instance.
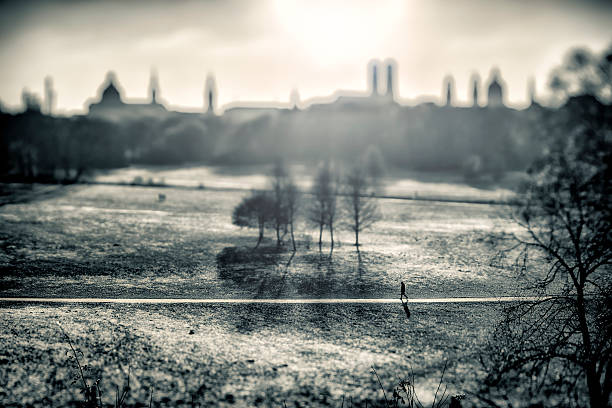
(473, 141)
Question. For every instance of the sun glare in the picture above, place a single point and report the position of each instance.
(337, 31)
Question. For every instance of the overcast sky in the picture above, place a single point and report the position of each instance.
(261, 50)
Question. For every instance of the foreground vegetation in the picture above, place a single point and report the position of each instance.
(237, 355)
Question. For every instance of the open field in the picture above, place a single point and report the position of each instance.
(397, 182)
(122, 242)
(241, 355)
(119, 241)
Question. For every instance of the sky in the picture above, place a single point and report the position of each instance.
(262, 50)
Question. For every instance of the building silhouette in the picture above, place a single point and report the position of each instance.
(153, 87)
(375, 66)
(111, 105)
(495, 94)
(482, 135)
(475, 80)
(391, 68)
(531, 91)
(210, 94)
(427, 135)
(49, 102)
(448, 86)
(294, 99)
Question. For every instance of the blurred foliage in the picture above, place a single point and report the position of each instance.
(584, 73)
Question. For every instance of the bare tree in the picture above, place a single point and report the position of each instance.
(316, 214)
(255, 211)
(332, 208)
(563, 341)
(323, 207)
(359, 201)
(279, 181)
(286, 202)
(292, 196)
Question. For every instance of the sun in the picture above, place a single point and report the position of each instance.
(337, 31)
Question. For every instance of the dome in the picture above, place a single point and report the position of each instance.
(496, 91)
(495, 86)
(111, 93)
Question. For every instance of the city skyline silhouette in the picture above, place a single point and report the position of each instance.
(272, 48)
(381, 79)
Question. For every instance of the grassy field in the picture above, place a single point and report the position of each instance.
(120, 241)
(238, 355)
(397, 182)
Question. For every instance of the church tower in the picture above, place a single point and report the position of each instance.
(154, 87)
(373, 67)
(49, 96)
(294, 99)
(531, 91)
(475, 80)
(210, 94)
(375, 80)
(390, 92)
(448, 86)
(495, 96)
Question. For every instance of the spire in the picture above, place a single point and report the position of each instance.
(49, 96)
(531, 91)
(448, 85)
(390, 80)
(375, 80)
(294, 99)
(373, 66)
(390, 92)
(154, 86)
(111, 78)
(475, 86)
(210, 94)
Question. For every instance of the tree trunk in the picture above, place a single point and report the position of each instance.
(331, 234)
(596, 398)
(78, 174)
(261, 235)
(292, 237)
(595, 391)
(30, 164)
(320, 235)
(356, 218)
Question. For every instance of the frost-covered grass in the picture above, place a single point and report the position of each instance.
(241, 355)
(120, 241)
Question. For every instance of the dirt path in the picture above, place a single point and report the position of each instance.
(271, 301)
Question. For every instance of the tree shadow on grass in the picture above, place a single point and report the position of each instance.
(272, 272)
(27, 192)
(339, 278)
(262, 271)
